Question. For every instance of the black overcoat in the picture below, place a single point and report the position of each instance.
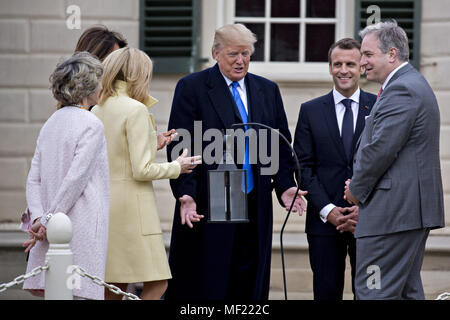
(200, 258)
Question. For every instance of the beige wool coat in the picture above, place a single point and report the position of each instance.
(136, 250)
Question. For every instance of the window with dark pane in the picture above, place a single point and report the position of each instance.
(321, 8)
(250, 8)
(284, 42)
(258, 30)
(285, 8)
(407, 14)
(319, 38)
(277, 24)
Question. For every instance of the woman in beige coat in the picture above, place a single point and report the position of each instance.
(136, 250)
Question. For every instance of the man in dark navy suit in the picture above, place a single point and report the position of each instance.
(213, 261)
(327, 131)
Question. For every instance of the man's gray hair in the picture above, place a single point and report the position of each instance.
(76, 78)
(390, 35)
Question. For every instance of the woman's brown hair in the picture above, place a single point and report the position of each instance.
(100, 41)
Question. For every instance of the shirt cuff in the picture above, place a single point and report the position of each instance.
(45, 219)
(326, 211)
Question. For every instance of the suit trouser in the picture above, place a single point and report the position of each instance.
(327, 255)
(244, 261)
(388, 266)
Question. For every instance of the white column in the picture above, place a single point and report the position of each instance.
(59, 257)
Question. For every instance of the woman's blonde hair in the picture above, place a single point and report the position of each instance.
(130, 65)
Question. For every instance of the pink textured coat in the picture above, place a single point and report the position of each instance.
(69, 173)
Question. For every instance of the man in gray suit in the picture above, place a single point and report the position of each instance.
(396, 176)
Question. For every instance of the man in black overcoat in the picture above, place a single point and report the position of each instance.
(211, 261)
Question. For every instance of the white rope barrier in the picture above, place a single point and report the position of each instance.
(76, 269)
(59, 266)
(443, 296)
(98, 281)
(20, 279)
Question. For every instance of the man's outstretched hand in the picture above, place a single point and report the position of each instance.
(300, 202)
(188, 211)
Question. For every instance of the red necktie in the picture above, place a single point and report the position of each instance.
(379, 93)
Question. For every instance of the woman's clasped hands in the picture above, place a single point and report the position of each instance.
(37, 233)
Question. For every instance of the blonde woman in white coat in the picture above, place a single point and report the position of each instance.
(136, 251)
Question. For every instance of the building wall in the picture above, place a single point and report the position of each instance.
(435, 56)
(33, 38)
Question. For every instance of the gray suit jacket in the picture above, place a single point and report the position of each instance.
(396, 170)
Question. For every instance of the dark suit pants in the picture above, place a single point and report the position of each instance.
(242, 283)
(327, 255)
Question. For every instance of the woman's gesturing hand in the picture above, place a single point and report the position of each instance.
(188, 163)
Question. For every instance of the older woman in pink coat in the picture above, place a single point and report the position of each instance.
(69, 173)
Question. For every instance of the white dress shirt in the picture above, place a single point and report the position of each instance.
(340, 110)
(240, 88)
(392, 74)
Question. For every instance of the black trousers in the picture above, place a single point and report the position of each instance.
(243, 268)
(327, 255)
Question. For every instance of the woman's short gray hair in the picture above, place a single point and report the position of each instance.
(76, 78)
(234, 35)
(390, 35)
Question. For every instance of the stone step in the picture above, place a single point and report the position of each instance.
(300, 281)
(435, 271)
(435, 282)
(437, 254)
(17, 293)
(293, 295)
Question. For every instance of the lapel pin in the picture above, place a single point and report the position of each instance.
(367, 107)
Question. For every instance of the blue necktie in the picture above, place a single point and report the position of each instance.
(246, 166)
(347, 128)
